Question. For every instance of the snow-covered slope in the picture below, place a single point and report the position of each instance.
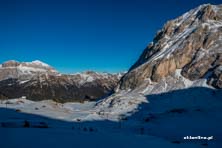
(48, 108)
(125, 102)
(167, 116)
(186, 53)
(174, 88)
(18, 129)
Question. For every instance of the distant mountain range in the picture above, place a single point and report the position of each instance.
(39, 81)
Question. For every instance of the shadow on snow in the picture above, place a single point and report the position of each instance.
(172, 115)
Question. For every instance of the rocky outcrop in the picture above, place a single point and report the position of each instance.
(185, 56)
(216, 78)
(24, 70)
(11, 63)
(192, 43)
(39, 81)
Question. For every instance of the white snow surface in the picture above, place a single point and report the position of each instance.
(143, 117)
(125, 119)
(51, 109)
(127, 102)
(38, 62)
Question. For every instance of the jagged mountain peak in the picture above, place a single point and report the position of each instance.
(185, 54)
(191, 42)
(206, 16)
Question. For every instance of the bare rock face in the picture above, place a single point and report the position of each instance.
(216, 79)
(10, 64)
(39, 81)
(24, 70)
(192, 43)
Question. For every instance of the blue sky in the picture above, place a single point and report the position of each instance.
(79, 35)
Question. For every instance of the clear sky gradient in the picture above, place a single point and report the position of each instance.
(79, 35)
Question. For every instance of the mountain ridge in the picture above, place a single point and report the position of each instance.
(185, 53)
(39, 81)
(186, 43)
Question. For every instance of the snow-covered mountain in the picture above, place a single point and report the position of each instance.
(24, 70)
(191, 43)
(39, 81)
(174, 89)
(185, 53)
(171, 92)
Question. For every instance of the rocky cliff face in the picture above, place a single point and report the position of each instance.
(191, 43)
(39, 81)
(24, 70)
(186, 54)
